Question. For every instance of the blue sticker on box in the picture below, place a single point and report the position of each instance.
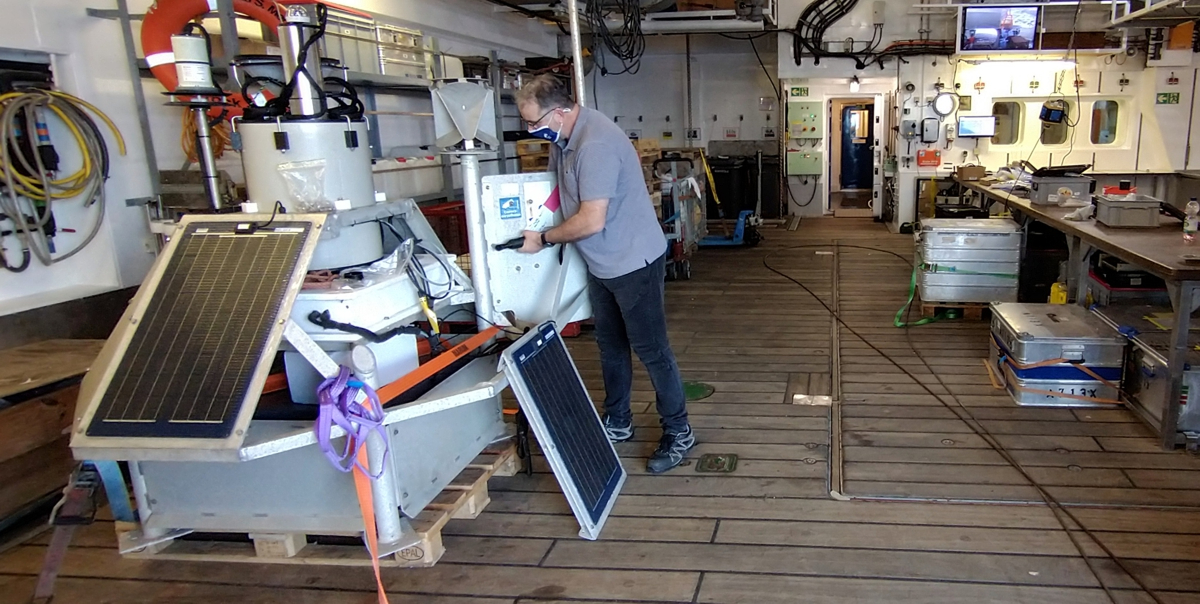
(510, 207)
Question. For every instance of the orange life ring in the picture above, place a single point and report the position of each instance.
(168, 17)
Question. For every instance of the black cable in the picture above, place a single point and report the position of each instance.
(274, 210)
(774, 86)
(627, 44)
(975, 426)
(812, 195)
(26, 258)
(278, 106)
(323, 320)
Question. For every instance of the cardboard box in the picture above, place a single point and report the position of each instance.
(970, 173)
(646, 145)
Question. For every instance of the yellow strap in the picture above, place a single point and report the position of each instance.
(708, 171)
(366, 503)
(430, 316)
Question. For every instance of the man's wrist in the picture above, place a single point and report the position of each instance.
(545, 242)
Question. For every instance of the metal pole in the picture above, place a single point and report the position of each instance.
(208, 164)
(383, 490)
(139, 97)
(476, 237)
(687, 90)
(142, 498)
(229, 32)
(497, 77)
(758, 206)
(577, 53)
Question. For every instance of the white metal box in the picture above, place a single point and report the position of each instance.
(550, 285)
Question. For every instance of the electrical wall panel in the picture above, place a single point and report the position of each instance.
(805, 119)
(804, 163)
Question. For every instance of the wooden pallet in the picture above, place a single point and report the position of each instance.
(535, 163)
(465, 498)
(533, 146)
(968, 311)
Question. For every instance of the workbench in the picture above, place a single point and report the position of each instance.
(1158, 251)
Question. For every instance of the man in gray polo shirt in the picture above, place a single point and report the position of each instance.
(610, 218)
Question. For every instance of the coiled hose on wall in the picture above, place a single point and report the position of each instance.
(32, 188)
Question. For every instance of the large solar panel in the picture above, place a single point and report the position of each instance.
(190, 362)
(565, 422)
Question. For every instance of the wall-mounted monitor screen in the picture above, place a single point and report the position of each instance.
(998, 29)
(977, 126)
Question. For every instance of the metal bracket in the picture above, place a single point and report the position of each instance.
(136, 540)
(408, 538)
(134, 202)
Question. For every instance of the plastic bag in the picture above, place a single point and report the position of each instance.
(389, 265)
(306, 185)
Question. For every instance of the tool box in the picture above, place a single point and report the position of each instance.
(1127, 211)
(1050, 190)
(1054, 355)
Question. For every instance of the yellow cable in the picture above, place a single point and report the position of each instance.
(74, 184)
(100, 114)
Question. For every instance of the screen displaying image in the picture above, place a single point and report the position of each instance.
(999, 28)
(981, 126)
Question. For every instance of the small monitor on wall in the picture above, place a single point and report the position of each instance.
(977, 126)
(987, 29)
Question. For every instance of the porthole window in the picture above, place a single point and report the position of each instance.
(1104, 122)
(1008, 123)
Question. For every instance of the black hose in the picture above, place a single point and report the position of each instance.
(322, 319)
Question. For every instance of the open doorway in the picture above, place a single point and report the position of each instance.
(851, 156)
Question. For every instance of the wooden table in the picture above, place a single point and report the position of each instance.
(1158, 251)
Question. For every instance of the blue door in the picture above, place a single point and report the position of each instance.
(857, 143)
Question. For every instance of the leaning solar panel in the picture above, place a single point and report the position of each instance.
(202, 339)
(565, 422)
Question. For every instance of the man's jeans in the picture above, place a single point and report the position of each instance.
(629, 313)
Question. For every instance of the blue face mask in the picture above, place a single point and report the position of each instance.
(547, 133)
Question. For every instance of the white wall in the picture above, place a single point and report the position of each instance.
(90, 62)
(726, 82)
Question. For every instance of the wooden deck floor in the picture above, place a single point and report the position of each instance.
(770, 532)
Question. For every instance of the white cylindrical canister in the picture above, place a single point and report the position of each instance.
(345, 177)
(192, 65)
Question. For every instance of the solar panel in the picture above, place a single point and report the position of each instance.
(565, 422)
(199, 345)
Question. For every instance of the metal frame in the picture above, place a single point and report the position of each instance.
(370, 84)
(97, 381)
(1184, 295)
(587, 528)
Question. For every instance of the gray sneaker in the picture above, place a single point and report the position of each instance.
(671, 450)
(616, 431)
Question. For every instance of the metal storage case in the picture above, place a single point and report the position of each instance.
(1029, 334)
(969, 260)
(1118, 211)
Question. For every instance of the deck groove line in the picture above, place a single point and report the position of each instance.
(770, 533)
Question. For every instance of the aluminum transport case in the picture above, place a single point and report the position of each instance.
(968, 260)
(1024, 336)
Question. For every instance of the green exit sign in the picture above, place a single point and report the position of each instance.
(1167, 98)
(798, 91)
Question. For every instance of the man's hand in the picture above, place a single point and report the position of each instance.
(533, 242)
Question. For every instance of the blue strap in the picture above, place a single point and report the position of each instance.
(114, 488)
